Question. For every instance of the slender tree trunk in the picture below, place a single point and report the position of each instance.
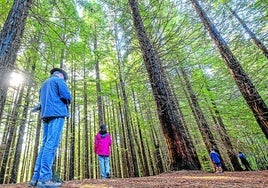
(185, 133)
(26, 158)
(199, 116)
(117, 153)
(127, 168)
(201, 121)
(227, 143)
(66, 159)
(139, 139)
(127, 117)
(72, 133)
(36, 141)
(156, 139)
(98, 85)
(92, 130)
(158, 159)
(126, 158)
(255, 39)
(15, 168)
(245, 85)
(79, 161)
(224, 136)
(11, 137)
(86, 130)
(10, 38)
(129, 126)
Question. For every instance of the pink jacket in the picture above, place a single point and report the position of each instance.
(102, 144)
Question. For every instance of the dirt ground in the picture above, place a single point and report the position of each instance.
(189, 179)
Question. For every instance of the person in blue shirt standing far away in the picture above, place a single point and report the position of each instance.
(55, 98)
(216, 159)
(244, 161)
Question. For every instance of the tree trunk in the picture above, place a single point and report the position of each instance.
(86, 130)
(185, 131)
(227, 142)
(11, 137)
(118, 167)
(167, 109)
(246, 87)
(139, 139)
(72, 132)
(128, 125)
(10, 39)
(126, 158)
(98, 86)
(15, 168)
(199, 116)
(134, 170)
(66, 154)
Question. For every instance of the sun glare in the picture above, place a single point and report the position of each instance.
(16, 79)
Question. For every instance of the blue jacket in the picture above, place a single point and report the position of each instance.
(215, 157)
(241, 155)
(55, 98)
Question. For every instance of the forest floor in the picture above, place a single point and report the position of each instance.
(189, 179)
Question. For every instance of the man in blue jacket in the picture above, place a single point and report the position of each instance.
(55, 98)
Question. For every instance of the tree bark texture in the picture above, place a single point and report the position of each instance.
(10, 38)
(167, 110)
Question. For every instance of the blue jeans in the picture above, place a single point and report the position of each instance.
(104, 162)
(52, 131)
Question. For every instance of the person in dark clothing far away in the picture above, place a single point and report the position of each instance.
(244, 161)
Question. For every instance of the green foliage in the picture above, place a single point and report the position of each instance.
(5, 8)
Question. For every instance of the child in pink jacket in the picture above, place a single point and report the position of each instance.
(102, 144)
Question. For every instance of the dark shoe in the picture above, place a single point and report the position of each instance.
(48, 184)
(32, 183)
(108, 175)
(56, 178)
